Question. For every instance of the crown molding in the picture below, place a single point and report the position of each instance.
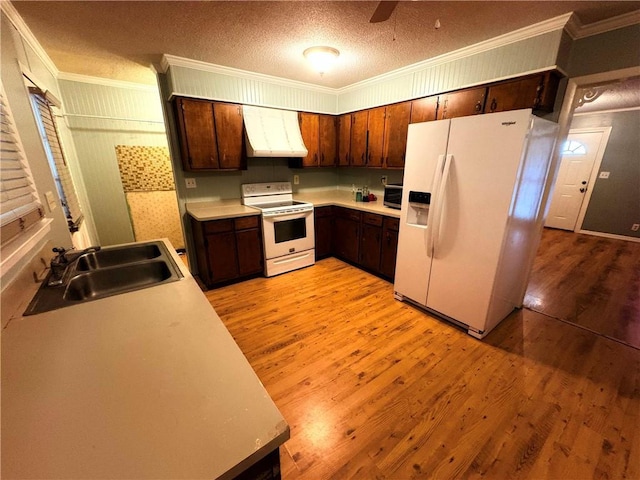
(75, 77)
(577, 30)
(173, 61)
(26, 33)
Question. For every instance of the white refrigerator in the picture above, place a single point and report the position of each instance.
(473, 204)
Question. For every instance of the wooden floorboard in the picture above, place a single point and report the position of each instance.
(375, 388)
(590, 281)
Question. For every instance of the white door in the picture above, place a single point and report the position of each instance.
(582, 150)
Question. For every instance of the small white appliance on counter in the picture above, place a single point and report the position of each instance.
(287, 226)
(472, 214)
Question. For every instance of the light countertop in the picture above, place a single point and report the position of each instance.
(146, 384)
(203, 211)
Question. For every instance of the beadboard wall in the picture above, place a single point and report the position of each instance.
(100, 117)
(473, 66)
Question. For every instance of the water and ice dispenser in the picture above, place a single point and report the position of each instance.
(418, 212)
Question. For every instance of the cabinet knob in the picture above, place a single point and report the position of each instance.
(494, 105)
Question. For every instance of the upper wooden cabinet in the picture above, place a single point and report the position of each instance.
(344, 140)
(424, 109)
(320, 136)
(395, 134)
(358, 134)
(375, 137)
(309, 125)
(534, 91)
(461, 103)
(328, 128)
(210, 135)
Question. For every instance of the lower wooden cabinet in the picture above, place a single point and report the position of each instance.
(228, 249)
(346, 234)
(367, 240)
(371, 241)
(323, 225)
(390, 229)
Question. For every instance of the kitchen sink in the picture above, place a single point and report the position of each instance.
(110, 281)
(109, 257)
(104, 273)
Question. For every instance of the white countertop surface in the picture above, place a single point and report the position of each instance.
(203, 211)
(146, 384)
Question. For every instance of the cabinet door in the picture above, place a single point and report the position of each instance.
(370, 245)
(461, 103)
(230, 137)
(535, 91)
(424, 109)
(346, 234)
(249, 245)
(396, 127)
(222, 256)
(359, 138)
(344, 140)
(389, 247)
(197, 134)
(322, 223)
(375, 140)
(328, 140)
(309, 127)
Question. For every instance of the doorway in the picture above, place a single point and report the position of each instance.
(581, 157)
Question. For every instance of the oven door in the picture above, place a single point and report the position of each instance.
(288, 234)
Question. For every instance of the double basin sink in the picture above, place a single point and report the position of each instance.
(106, 272)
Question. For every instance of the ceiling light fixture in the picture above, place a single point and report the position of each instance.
(321, 58)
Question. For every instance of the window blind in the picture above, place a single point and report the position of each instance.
(60, 169)
(19, 204)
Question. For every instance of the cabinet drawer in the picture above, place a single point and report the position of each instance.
(392, 223)
(347, 213)
(218, 226)
(243, 223)
(320, 212)
(372, 219)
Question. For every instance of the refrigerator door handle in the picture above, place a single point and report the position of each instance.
(440, 203)
(431, 220)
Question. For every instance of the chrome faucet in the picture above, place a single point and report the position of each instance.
(60, 263)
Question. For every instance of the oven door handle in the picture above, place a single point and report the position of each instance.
(287, 214)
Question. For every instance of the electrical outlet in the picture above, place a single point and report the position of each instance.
(190, 182)
(635, 227)
(383, 179)
(296, 179)
(604, 175)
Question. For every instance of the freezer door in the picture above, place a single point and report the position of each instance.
(482, 165)
(426, 147)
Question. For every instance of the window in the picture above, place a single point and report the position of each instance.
(572, 147)
(20, 206)
(57, 162)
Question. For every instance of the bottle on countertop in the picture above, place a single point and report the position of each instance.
(353, 191)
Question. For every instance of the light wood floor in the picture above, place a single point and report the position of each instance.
(374, 388)
(590, 281)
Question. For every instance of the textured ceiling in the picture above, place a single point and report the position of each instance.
(120, 39)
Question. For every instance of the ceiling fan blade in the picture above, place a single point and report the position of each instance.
(383, 11)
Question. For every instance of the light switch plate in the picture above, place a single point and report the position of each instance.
(604, 175)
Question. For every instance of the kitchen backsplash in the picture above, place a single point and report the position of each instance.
(226, 185)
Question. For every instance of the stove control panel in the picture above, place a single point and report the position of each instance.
(263, 189)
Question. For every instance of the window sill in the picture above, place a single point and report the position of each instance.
(19, 247)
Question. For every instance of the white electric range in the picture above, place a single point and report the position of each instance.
(287, 226)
